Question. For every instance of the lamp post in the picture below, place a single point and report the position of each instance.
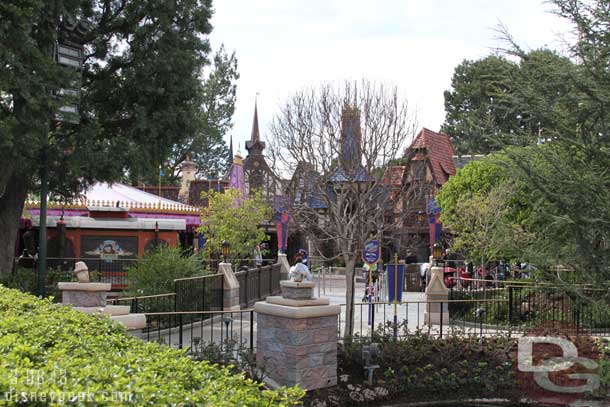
(67, 52)
(437, 253)
(225, 248)
(420, 217)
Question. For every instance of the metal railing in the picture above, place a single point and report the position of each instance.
(203, 293)
(255, 284)
(227, 329)
(147, 303)
(113, 271)
(482, 317)
(474, 317)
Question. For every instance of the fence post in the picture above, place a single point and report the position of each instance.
(372, 318)
(251, 330)
(441, 324)
(510, 304)
(203, 294)
(260, 277)
(180, 333)
(270, 280)
(176, 295)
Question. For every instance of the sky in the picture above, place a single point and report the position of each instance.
(283, 46)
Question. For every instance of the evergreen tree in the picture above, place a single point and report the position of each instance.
(141, 94)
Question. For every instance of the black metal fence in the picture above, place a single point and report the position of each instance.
(148, 303)
(526, 305)
(481, 319)
(112, 271)
(204, 293)
(228, 330)
(256, 284)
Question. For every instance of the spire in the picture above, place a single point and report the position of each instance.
(255, 136)
(255, 146)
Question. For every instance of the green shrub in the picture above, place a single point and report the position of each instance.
(26, 279)
(423, 367)
(51, 351)
(159, 268)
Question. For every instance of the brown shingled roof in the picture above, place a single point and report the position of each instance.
(439, 152)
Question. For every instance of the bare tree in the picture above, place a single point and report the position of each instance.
(337, 141)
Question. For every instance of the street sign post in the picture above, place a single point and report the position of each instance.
(68, 52)
(396, 275)
(370, 255)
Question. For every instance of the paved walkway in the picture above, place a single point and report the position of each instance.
(410, 315)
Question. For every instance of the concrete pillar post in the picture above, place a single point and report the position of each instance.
(297, 338)
(437, 294)
(282, 259)
(230, 288)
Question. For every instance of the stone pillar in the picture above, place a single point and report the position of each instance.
(283, 261)
(297, 338)
(437, 292)
(230, 295)
(90, 298)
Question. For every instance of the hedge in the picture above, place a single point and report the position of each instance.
(51, 355)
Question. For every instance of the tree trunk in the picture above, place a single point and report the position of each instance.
(11, 208)
(350, 263)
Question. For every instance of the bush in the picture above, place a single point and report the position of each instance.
(159, 268)
(51, 351)
(456, 362)
(26, 279)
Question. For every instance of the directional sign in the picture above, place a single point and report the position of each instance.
(371, 252)
(69, 56)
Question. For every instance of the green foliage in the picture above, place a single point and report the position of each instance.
(207, 146)
(565, 106)
(230, 354)
(230, 217)
(425, 368)
(479, 116)
(26, 279)
(50, 350)
(142, 94)
(156, 272)
(494, 102)
(487, 210)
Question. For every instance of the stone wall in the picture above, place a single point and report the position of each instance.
(302, 351)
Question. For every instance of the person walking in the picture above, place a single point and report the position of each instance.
(423, 271)
(258, 256)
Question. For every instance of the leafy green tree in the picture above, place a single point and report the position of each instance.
(238, 221)
(156, 273)
(564, 103)
(479, 114)
(494, 102)
(574, 181)
(141, 94)
(206, 146)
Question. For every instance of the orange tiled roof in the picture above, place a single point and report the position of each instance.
(439, 152)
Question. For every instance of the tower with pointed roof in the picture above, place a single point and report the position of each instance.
(255, 146)
(257, 173)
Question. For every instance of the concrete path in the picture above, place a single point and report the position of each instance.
(410, 315)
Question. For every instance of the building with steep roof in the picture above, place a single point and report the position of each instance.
(435, 151)
(427, 165)
(257, 173)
